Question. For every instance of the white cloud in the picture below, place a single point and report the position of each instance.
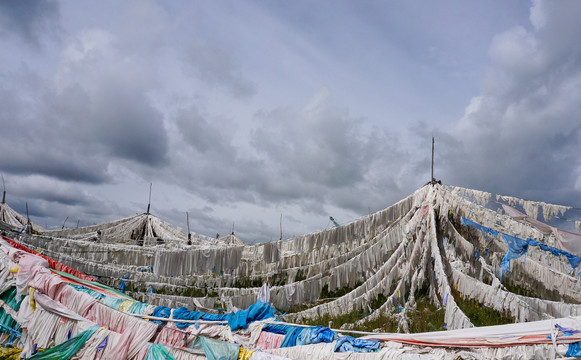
(522, 133)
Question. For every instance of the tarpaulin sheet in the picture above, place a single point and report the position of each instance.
(574, 350)
(183, 313)
(518, 247)
(161, 311)
(290, 339)
(256, 312)
(239, 320)
(349, 343)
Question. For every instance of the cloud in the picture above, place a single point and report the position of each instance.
(51, 200)
(216, 67)
(116, 110)
(319, 145)
(522, 134)
(30, 20)
(201, 135)
(45, 188)
(311, 158)
(33, 143)
(204, 159)
(96, 110)
(57, 164)
(322, 156)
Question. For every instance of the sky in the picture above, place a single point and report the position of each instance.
(243, 113)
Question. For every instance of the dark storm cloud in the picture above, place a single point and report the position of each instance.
(72, 127)
(30, 20)
(33, 143)
(39, 160)
(45, 189)
(130, 128)
(50, 201)
(216, 67)
(110, 105)
(51, 214)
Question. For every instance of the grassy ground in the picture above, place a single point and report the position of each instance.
(479, 314)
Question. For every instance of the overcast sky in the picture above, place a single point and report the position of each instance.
(240, 111)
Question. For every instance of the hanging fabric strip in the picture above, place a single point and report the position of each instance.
(67, 349)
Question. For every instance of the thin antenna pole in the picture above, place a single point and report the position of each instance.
(4, 191)
(64, 222)
(281, 226)
(433, 180)
(149, 203)
(28, 223)
(188, 223)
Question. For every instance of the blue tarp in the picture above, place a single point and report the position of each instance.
(123, 286)
(321, 334)
(304, 337)
(484, 229)
(574, 350)
(349, 343)
(161, 311)
(183, 313)
(238, 320)
(290, 339)
(256, 312)
(278, 328)
(295, 335)
(518, 247)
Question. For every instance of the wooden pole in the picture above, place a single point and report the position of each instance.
(281, 226)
